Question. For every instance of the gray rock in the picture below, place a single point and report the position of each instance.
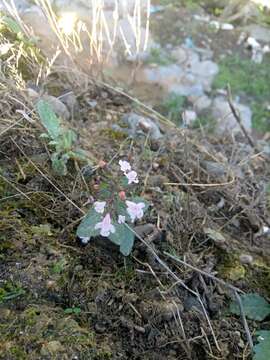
(200, 103)
(213, 168)
(70, 100)
(185, 57)
(58, 106)
(205, 72)
(189, 117)
(246, 259)
(142, 125)
(163, 75)
(226, 122)
(188, 77)
(258, 32)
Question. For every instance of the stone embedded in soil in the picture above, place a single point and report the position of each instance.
(213, 168)
(226, 122)
(246, 259)
(140, 125)
(70, 100)
(200, 103)
(58, 106)
(187, 77)
(258, 32)
(162, 310)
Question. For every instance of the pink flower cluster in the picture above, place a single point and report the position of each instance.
(134, 210)
(131, 175)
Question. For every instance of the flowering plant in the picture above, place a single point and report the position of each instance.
(113, 214)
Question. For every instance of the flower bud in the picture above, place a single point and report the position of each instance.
(102, 164)
(122, 195)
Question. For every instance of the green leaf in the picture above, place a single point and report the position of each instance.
(255, 307)
(121, 207)
(66, 141)
(86, 229)
(79, 154)
(49, 120)
(124, 237)
(216, 236)
(104, 192)
(12, 25)
(44, 136)
(124, 182)
(59, 164)
(73, 310)
(262, 349)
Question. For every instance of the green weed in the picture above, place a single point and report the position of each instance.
(61, 139)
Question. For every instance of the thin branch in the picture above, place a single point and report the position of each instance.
(237, 117)
(244, 320)
(220, 281)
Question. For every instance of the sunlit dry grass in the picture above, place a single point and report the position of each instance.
(96, 36)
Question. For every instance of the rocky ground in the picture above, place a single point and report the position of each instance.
(208, 191)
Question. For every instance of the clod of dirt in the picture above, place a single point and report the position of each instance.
(163, 310)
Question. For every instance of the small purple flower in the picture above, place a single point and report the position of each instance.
(132, 177)
(135, 210)
(125, 166)
(121, 219)
(105, 226)
(99, 206)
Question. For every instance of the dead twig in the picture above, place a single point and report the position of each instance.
(200, 185)
(220, 281)
(244, 320)
(237, 117)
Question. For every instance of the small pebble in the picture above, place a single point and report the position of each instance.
(246, 259)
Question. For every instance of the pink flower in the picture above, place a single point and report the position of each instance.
(99, 206)
(105, 226)
(121, 219)
(125, 166)
(132, 177)
(135, 210)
